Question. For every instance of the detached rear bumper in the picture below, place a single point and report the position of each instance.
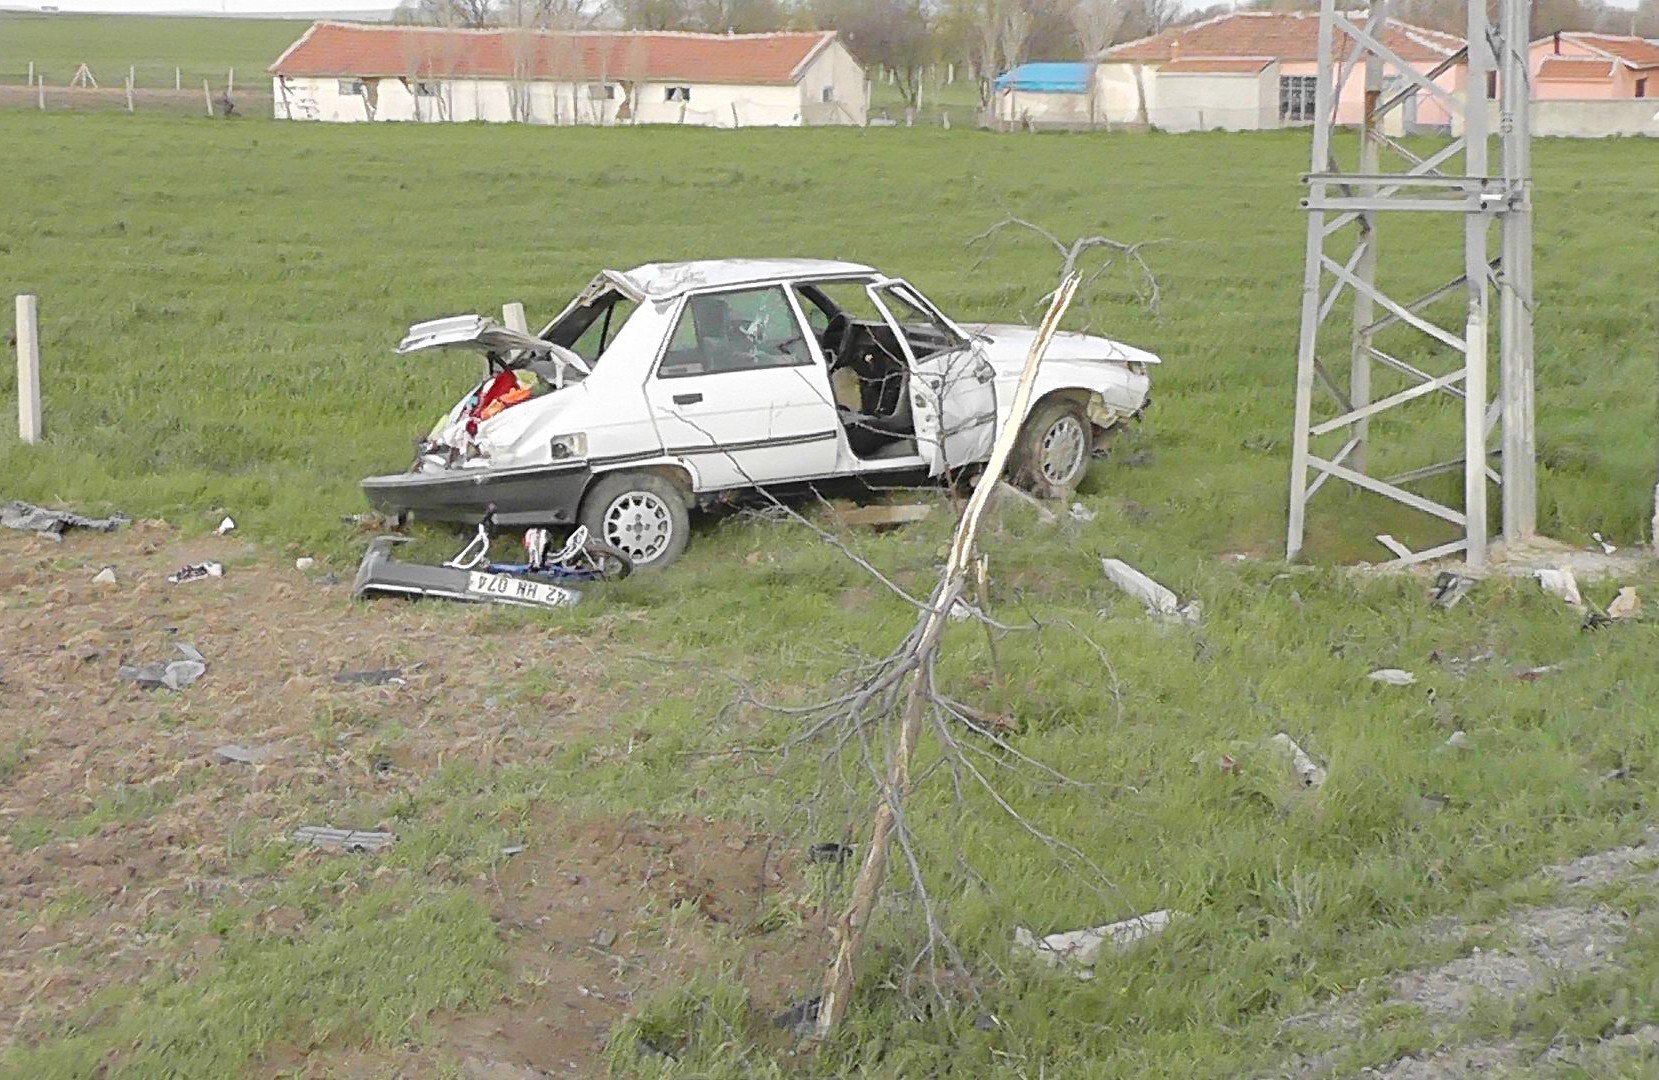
(533, 495)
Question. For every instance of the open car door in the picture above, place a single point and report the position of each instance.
(952, 387)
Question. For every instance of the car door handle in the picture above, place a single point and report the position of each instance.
(687, 399)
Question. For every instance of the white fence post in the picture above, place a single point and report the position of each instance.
(178, 79)
(512, 317)
(207, 96)
(28, 368)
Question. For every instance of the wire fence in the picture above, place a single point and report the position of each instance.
(146, 87)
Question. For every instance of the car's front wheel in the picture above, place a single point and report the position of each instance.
(641, 514)
(1054, 447)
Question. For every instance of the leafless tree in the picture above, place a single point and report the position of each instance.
(1016, 33)
(893, 34)
(1097, 23)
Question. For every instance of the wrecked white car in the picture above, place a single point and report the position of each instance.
(667, 386)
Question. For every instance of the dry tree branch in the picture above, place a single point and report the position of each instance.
(851, 929)
(1149, 291)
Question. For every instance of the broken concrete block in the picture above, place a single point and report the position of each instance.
(1157, 599)
(181, 673)
(1307, 770)
(1392, 676)
(106, 576)
(322, 836)
(1081, 948)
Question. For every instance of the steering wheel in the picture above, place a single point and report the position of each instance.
(840, 325)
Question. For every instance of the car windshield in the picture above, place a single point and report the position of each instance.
(589, 328)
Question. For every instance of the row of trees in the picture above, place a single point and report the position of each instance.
(980, 37)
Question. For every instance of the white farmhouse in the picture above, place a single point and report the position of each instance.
(351, 72)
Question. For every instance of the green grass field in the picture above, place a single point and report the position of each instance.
(219, 302)
(152, 45)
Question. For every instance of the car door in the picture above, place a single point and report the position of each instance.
(952, 388)
(739, 392)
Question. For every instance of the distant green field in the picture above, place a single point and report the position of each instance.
(151, 44)
(219, 303)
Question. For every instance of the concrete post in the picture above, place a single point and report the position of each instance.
(28, 368)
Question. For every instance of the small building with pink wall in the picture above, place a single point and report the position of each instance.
(1250, 70)
(1580, 66)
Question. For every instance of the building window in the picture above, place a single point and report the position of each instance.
(677, 93)
(1491, 85)
(828, 96)
(351, 87)
(1641, 88)
(426, 89)
(601, 92)
(1297, 94)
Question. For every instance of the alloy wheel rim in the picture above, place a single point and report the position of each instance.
(1062, 451)
(638, 523)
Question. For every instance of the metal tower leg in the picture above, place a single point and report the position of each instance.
(1335, 268)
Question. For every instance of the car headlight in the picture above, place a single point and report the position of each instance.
(570, 446)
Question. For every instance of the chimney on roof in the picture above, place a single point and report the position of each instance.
(1558, 43)
(1175, 47)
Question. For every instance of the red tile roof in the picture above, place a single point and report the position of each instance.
(1575, 67)
(1281, 35)
(1633, 51)
(341, 50)
(1220, 66)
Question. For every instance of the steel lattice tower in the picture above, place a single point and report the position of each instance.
(1346, 207)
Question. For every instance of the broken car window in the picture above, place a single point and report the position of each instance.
(735, 331)
(925, 332)
(589, 329)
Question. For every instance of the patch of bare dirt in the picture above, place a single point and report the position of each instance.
(609, 912)
(120, 827)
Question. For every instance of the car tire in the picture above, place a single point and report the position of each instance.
(1054, 448)
(641, 514)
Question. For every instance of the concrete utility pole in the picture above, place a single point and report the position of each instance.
(1430, 194)
(28, 368)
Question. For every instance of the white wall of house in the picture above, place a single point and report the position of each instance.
(1209, 101)
(549, 102)
(834, 70)
(1584, 118)
(1042, 110)
(1118, 91)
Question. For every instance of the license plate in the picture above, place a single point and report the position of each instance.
(519, 591)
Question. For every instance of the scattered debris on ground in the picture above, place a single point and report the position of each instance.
(1533, 674)
(1606, 548)
(1392, 676)
(373, 677)
(106, 576)
(1451, 587)
(52, 524)
(1081, 513)
(304, 562)
(196, 572)
(329, 839)
(228, 525)
(1159, 601)
(1080, 949)
(1560, 582)
(1459, 740)
(242, 755)
(800, 1019)
(1307, 770)
(1626, 605)
(174, 674)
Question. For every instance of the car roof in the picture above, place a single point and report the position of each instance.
(662, 281)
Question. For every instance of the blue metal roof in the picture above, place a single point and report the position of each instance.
(1047, 77)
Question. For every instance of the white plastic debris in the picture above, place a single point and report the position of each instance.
(196, 572)
(1308, 771)
(1459, 740)
(304, 562)
(1079, 512)
(1559, 581)
(1606, 548)
(1392, 676)
(1626, 605)
(226, 526)
(181, 673)
(1081, 948)
(106, 576)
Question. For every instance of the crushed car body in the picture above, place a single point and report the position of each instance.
(671, 384)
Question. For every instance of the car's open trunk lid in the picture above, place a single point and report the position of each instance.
(473, 332)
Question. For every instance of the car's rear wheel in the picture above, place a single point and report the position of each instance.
(1054, 447)
(640, 514)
